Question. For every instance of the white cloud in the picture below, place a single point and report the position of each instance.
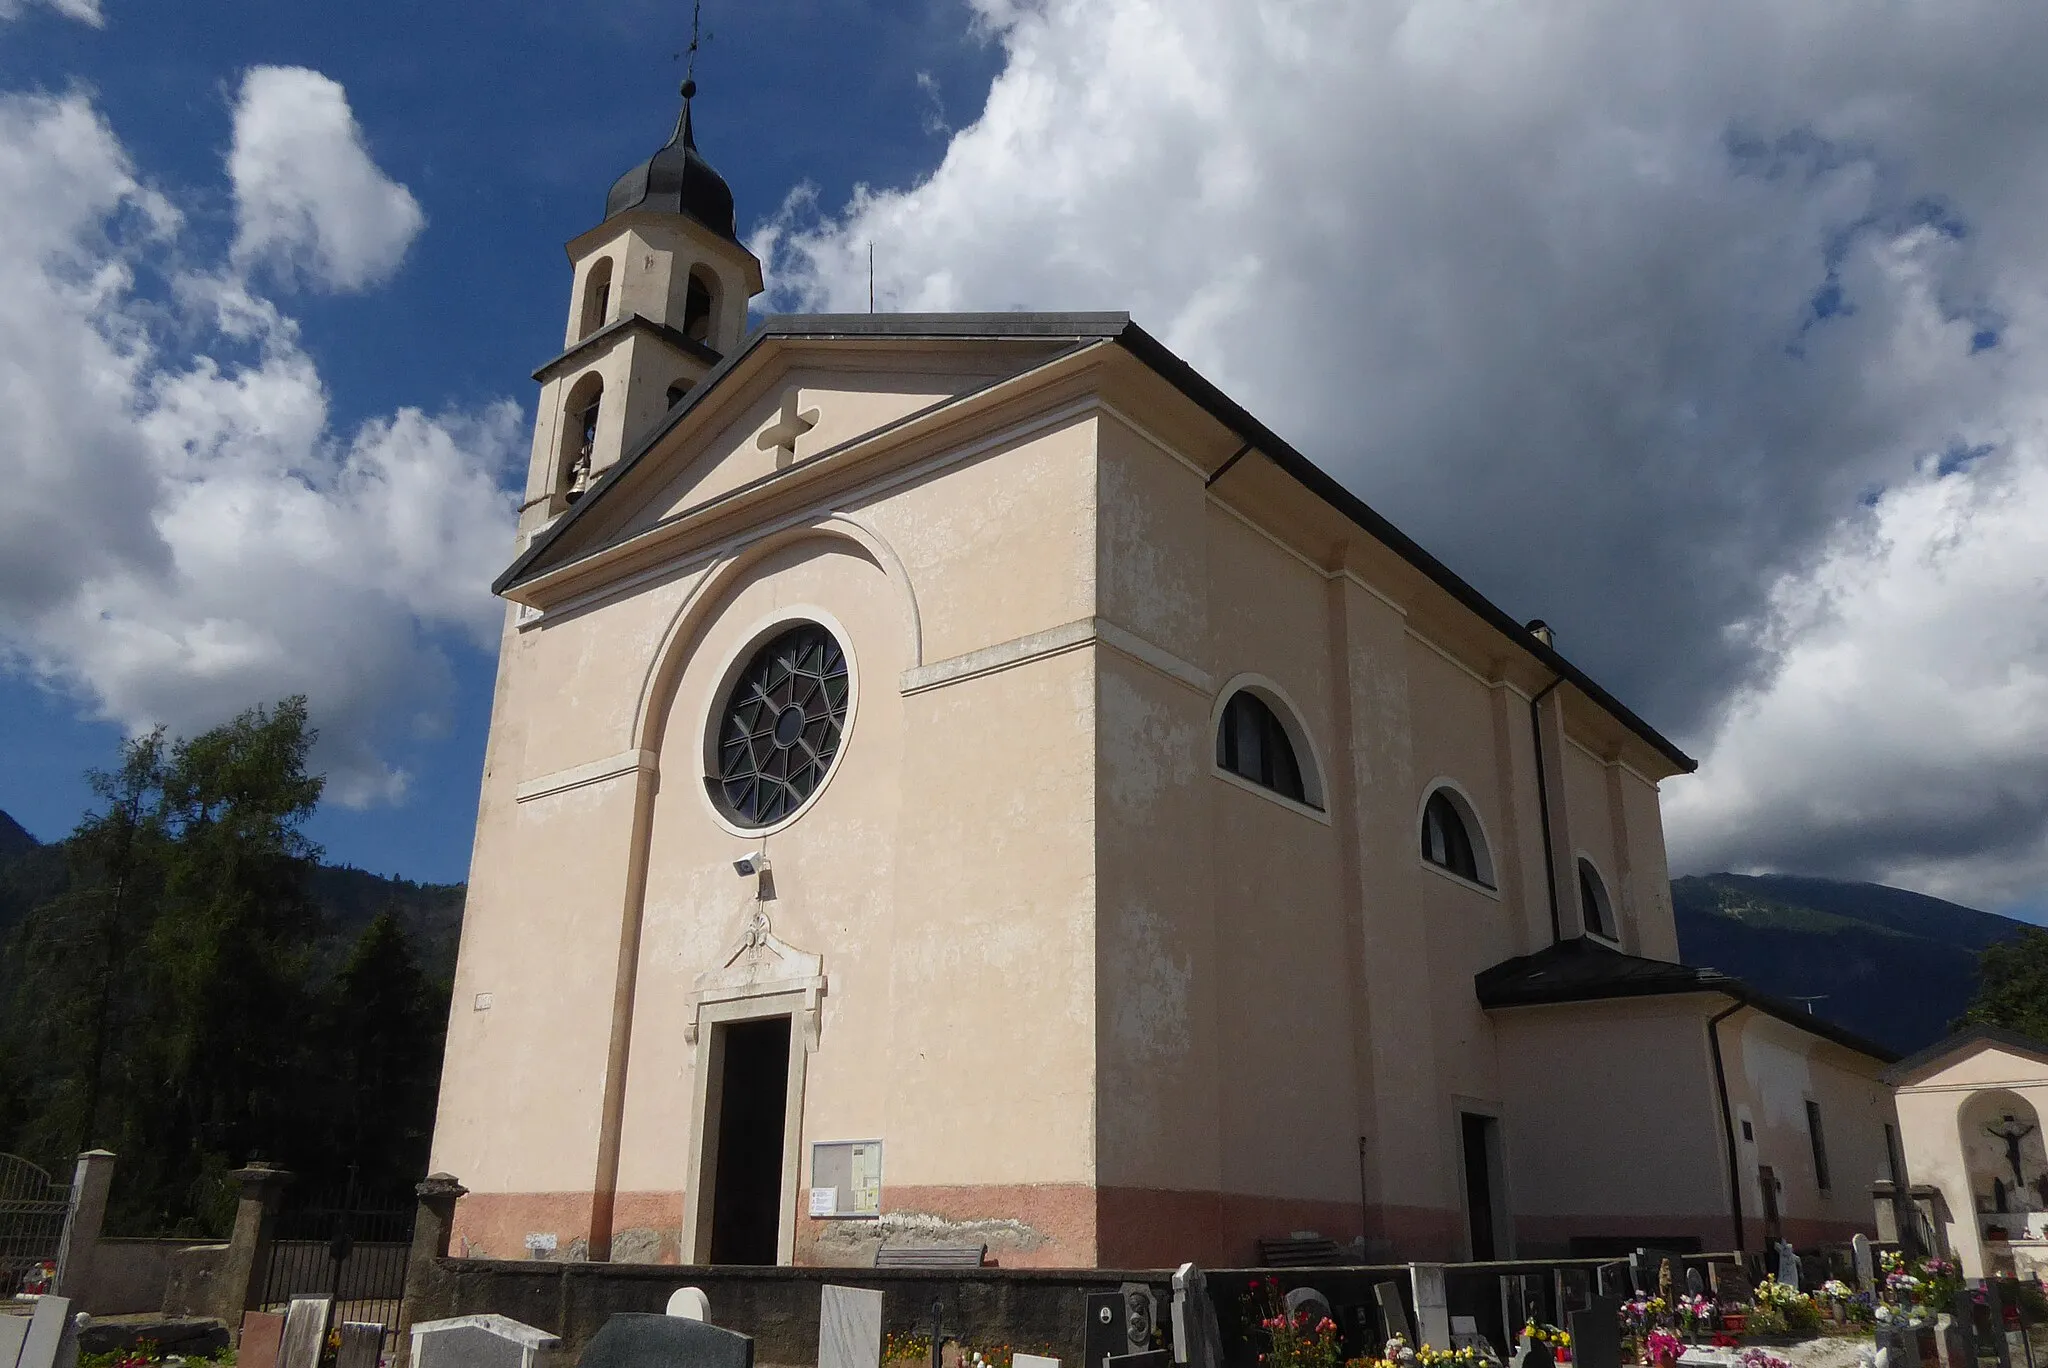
(1621, 309)
(308, 198)
(184, 534)
(84, 11)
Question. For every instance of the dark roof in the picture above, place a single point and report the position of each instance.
(1584, 970)
(676, 180)
(1082, 329)
(1969, 1035)
(675, 337)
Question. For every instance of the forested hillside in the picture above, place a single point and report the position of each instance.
(1895, 967)
(184, 983)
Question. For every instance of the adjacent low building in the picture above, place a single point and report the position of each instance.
(1970, 1112)
(963, 778)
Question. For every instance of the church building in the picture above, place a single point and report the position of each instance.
(964, 779)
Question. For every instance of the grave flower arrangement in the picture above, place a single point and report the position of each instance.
(1781, 1308)
(1642, 1314)
(1560, 1341)
(1695, 1313)
(1293, 1340)
(1756, 1357)
(1662, 1348)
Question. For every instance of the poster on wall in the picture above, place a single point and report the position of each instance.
(846, 1179)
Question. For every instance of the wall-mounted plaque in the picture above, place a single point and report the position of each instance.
(846, 1179)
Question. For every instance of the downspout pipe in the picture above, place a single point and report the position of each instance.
(1728, 1121)
(1543, 808)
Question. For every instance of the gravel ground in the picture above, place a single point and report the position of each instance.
(1827, 1351)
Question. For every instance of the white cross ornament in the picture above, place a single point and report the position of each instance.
(792, 422)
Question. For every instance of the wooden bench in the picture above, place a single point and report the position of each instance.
(931, 1256)
(1293, 1253)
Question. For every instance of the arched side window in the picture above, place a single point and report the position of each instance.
(1253, 743)
(597, 297)
(700, 301)
(579, 435)
(1452, 838)
(1594, 906)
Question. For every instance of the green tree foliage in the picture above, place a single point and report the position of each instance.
(2012, 986)
(168, 1003)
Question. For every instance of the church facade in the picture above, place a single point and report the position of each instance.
(961, 778)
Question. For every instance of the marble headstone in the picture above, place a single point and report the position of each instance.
(1596, 1334)
(690, 1303)
(1432, 1309)
(360, 1343)
(1033, 1361)
(1393, 1312)
(481, 1341)
(1197, 1342)
(13, 1330)
(1150, 1358)
(262, 1333)
(1314, 1303)
(41, 1346)
(638, 1339)
(1866, 1265)
(849, 1327)
(305, 1332)
(1729, 1282)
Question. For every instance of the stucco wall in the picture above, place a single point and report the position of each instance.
(1942, 1111)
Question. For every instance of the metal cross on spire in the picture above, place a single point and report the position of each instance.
(690, 67)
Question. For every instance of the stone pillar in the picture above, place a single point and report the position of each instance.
(248, 1259)
(90, 1182)
(433, 1221)
(1884, 1206)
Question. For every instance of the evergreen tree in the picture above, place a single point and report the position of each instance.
(2012, 986)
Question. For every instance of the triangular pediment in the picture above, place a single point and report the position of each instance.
(782, 402)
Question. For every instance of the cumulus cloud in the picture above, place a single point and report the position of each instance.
(309, 201)
(184, 534)
(1629, 312)
(84, 11)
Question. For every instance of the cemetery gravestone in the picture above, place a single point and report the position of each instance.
(690, 1303)
(1532, 1353)
(1994, 1302)
(1432, 1309)
(1611, 1280)
(482, 1341)
(39, 1347)
(1102, 1328)
(360, 1341)
(1574, 1291)
(1313, 1303)
(1197, 1342)
(1788, 1265)
(1729, 1283)
(1695, 1285)
(640, 1339)
(305, 1332)
(262, 1333)
(1150, 1358)
(13, 1331)
(1866, 1266)
(849, 1327)
(1596, 1334)
(1033, 1361)
(1393, 1314)
(1465, 1335)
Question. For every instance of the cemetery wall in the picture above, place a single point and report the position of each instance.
(129, 1275)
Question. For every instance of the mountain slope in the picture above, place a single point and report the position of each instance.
(349, 899)
(1893, 966)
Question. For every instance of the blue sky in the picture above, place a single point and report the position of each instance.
(507, 122)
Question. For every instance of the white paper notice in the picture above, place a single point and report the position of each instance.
(825, 1201)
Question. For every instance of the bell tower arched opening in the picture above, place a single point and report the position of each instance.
(597, 297)
(700, 306)
(579, 436)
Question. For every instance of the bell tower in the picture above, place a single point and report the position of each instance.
(659, 295)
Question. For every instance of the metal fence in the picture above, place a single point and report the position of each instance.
(347, 1244)
(32, 1211)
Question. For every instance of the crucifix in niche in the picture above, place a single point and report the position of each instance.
(792, 422)
(2011, 1132)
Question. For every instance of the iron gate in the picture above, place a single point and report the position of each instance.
(346, 1243)
(32, 1211)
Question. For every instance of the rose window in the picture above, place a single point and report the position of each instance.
(781, 726)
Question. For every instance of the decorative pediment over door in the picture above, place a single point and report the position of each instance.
(761, 964)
